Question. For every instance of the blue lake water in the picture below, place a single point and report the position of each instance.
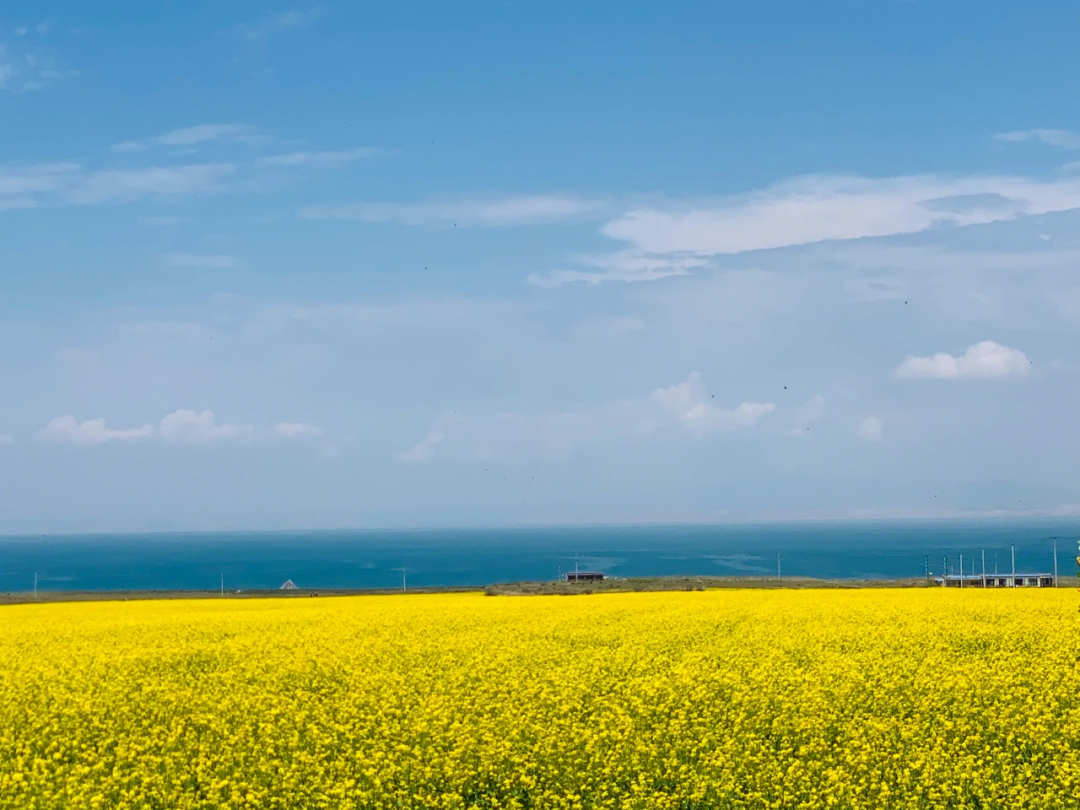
(375, 559)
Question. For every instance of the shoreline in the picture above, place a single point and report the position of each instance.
(561, 588)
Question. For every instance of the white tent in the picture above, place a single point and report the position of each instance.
(289, 586)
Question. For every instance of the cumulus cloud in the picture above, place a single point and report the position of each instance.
(296, 430)
(180, 427)
(694, 409)
(1061, 138)
(197, 427)
(69, 430)
(506, 211)
(985, 360)
(869, 428)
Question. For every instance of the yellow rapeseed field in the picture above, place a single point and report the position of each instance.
(748, 699)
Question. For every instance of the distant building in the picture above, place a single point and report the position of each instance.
(584, 576)
(996, 581)
(289, 586)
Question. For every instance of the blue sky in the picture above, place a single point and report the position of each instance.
(337, 265)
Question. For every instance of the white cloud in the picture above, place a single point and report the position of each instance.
(296, 430)
(506, 211)
(208, 261)
(137, 184)
(280, 22)
(424, 449)
(200, 134)
(192, 427)
(625, 266)
(1051, 137)
(869, 428)
(811, 411)
(324, 158)
(689, 403)
(69, 430)
(815, 209)
(985, 360)
(675, 239)
(25, 67)
(684, 408)
(189, 136)
(24, 182)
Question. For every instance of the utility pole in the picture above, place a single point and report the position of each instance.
(777, 567)
(1012, 551)
(223, 585)
(984, 565)
(1055, 562)
(35, 584)
(961, 570)
(926, 566)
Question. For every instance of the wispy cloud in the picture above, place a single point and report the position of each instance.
(817, 209)
(71, 184)
(329, 159)
(137, 184)
(208, 261)
(676, 238)
(1061, 138)
(190, 136)
(985, 360)
(685, 408)
(280, 22)
(621, 266)
(505, 211)
(26, 66)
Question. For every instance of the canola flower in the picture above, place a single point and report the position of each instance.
(720, 699)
